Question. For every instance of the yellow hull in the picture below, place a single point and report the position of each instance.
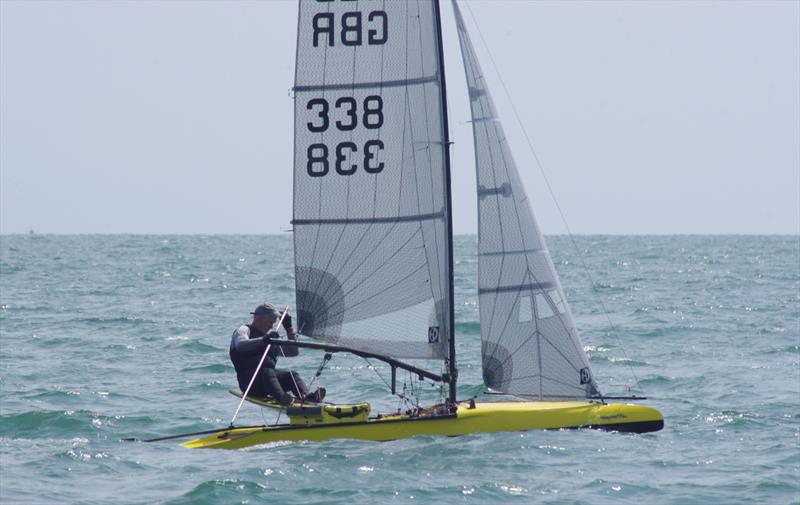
(483, 418)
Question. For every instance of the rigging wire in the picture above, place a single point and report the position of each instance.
(291, 372)
(263, 418)
(553, 196)
(403, 398)
(318, 374)
(372, 367)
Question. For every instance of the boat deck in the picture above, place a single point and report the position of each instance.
(483, 418)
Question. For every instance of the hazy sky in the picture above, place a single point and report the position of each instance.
(176, 117)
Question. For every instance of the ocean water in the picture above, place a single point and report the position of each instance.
(108, 337)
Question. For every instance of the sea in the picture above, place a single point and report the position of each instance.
(110, 337)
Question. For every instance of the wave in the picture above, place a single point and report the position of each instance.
(599, 358)
(602, 287)
(11, 308)
(733, 418)
(131, 321)
(49, 394)
(43, 423)
(657, 380)
(216, 368)
(471, 328)
(221, 491)
(200, 388)
(197, 345)
(789, 349)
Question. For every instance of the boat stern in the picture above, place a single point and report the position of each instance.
(626, 418)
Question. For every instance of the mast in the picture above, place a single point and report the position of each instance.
(452, 371)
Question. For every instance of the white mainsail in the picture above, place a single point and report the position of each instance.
(530, 345)
(371, 203)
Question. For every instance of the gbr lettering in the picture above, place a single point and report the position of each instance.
(352, 28)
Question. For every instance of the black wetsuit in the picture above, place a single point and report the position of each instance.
(246, 350)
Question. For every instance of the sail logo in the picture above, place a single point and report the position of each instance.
(433, 334)
(586, 375)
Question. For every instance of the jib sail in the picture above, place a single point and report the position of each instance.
(530, 345)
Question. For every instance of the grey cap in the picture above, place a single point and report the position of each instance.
(266, 309)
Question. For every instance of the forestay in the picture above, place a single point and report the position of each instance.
(371, 233)
(530, 346)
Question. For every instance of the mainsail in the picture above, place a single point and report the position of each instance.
(530, 345)
(371, 220)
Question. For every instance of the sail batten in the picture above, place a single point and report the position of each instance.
(517, 287)
(371, 198)
(530, 345)
(371, 84)
(354, 220)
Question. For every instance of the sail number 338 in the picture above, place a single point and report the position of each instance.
(347, 114)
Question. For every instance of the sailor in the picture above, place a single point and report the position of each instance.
(248, 343)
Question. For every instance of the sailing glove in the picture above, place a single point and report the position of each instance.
(287, 322)
(267, 339)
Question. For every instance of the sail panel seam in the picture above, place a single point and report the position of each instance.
(520, 251)
(364, 85)
(369, 220)
(518, 287)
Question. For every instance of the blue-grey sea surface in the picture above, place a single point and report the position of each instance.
(108, 337)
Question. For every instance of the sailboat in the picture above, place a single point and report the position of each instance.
(373, 240)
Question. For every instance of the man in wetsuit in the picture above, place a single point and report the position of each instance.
(247, 346)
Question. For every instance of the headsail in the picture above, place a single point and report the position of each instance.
(371, 203)
(530, 345)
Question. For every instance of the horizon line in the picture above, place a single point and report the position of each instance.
(288, 232)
